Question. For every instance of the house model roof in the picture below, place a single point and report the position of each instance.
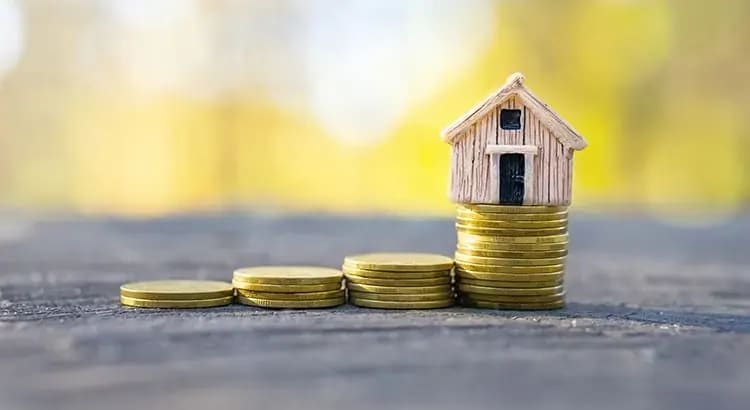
(563, 131)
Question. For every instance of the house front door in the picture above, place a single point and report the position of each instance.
(511, 179)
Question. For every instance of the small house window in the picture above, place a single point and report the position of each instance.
(510, 119)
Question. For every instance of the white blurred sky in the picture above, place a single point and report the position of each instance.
(11, 35)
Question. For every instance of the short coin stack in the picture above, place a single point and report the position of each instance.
(289, 287)
(399, 280)
(173, 294)
(511, 257)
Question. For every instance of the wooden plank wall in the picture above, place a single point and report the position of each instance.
(552, 165)
(460, 182)
(473, 172)
(485, 134)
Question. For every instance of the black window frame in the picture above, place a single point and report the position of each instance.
(508, 118)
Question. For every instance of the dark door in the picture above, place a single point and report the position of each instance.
(511, 179)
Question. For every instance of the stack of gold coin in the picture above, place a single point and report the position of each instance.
(399, 280)
(289, 287)
(176, 294)
(511, 257)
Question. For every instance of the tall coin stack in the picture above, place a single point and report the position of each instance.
(399, 280)
(511, 257)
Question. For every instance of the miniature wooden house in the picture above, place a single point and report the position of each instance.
(512, 149)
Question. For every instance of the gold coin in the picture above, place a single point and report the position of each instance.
(482, 224)
(482, 260)
(329, 294)
(409, 262)
(512, 299)
(511, 254)
(176, 303)
(512, 247)
(511, 232)
(412, 290)
(512, 306)
(510, 277)
(397, 297)
(262, 287)
(472, 267)
(512, 209)
(177, 289)
(288, 275)
(384, 304)
(464, 237)
(381, 274)
(291, 304)
(508, 285)
(468, 288)
(486, 216)
(443, 280)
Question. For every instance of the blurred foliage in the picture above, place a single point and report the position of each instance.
(659, 89)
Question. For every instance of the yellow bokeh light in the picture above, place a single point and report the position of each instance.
(206, 118)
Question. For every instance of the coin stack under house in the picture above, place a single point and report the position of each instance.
(399, 280)
(511, 257)
(289, 287)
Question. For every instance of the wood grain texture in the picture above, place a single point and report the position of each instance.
(522, 149)
(515, 94)
(484, 136)
(494, 176)
(569, 178)
(553, 168)
(460, 172)
(546, 159)
(475, 177)
(533, 137)
(658, 317)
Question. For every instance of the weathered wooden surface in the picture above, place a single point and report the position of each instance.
(659, 318)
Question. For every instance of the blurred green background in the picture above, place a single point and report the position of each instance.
(146, 107)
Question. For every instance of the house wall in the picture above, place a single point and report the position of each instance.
(472, 170)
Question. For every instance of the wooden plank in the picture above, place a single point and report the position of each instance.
(537, 139)
(532, 137)
(514, 136)
(524, 136)
(478, 180)
(567, 167)
(493, 193)
(494, 179)
(545, 149)
(519, 149)
(456, 171)
(462, 172)
(528, 197)
(469, 163)
(569, 185)
(518, 134)
(539, 165)
(566, 200)
(560, 173)
(482, 161)
(553, 177)
(502, 136)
